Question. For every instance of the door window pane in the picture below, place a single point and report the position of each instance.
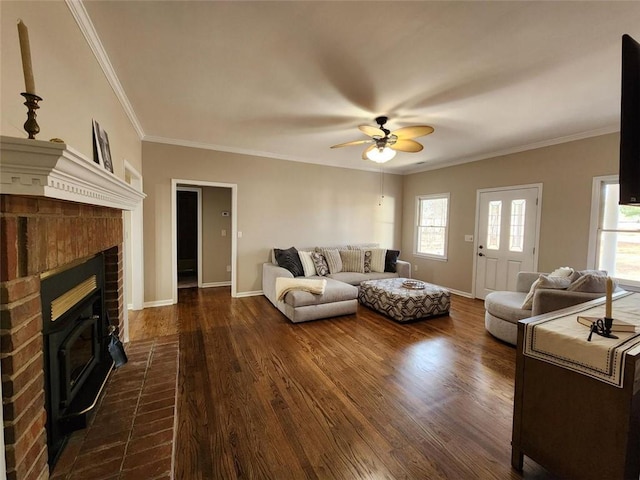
(516, 234)
(493, 227)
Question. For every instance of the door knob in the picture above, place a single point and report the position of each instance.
(481, 254)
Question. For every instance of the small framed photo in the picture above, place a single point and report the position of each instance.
(102, 152)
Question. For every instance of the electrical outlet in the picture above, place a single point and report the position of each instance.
(228, 268)
(224, 233)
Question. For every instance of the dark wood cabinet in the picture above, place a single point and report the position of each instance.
(576, 426)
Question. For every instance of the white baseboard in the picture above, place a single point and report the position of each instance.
(249, 294)
(158, 303)
(458, 292)
(216, 284)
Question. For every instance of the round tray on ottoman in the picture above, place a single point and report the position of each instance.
(402, 299)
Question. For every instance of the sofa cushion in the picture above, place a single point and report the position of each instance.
(290, 260)
(590, 283)
(308, 266)
(320, 262)
(506, 305)
(352, 278)
(378, 259)
(352, 260)
(334, 291)
(332, 256)
(546, 281)
(391, 259)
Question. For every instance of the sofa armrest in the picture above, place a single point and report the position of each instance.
(524, 280)
(548, 300)
(270, 272)
(403, 269)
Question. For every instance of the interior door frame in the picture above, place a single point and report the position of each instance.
(133, 251)
(477, 226)
(174, 231)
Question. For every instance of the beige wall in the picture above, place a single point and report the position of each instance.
(216, 248)
(68, 78)
(566, 172)
(280, 204)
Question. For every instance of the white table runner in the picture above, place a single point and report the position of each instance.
(562, 340)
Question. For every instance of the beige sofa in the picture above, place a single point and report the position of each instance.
(340, 296)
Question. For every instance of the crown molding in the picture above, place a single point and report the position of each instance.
(254, 153)
(518, 149)
(88, 30)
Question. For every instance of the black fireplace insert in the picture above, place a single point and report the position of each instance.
(76, 360)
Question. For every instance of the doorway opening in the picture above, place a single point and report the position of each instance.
(189, 238)
(215, 258)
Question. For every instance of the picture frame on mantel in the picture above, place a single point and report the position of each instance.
(101, 149)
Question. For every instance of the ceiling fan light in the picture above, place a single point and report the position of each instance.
(381, 155)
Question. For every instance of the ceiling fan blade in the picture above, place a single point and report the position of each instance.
(412, 132)
(407, 145)
(367, 150)
(371, 131)
(350, 144)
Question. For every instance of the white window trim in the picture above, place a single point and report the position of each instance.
(592, 249)
(419, 198)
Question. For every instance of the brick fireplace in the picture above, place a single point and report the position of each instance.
(57, 208)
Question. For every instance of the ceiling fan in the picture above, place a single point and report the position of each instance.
(385, 143)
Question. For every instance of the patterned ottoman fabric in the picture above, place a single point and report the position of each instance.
(389, 297)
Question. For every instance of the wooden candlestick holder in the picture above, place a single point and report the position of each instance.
(31, 126)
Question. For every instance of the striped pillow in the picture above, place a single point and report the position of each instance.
(352, 260)
(378, 256)
(332, 256)
(307, 263)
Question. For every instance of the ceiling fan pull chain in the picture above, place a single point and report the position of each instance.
(381, 187)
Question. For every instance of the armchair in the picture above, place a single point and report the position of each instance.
(503, 310)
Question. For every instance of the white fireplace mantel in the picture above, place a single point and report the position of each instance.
(55, 170)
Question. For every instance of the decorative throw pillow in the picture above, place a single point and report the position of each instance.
(545, 281)
(332, 256)
(367, 261)
(561, 272)
(363, 246)
(308, 266)
(378, 259)
(290, 260)
(391, 260)
(590, 283)
(320, 263)
(352, 260)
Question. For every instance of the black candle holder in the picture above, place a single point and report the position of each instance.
(602, 327)
(31, 126)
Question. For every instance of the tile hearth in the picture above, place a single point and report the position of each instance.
(132, 433)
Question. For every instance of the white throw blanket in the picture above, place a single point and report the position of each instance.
(285, 285)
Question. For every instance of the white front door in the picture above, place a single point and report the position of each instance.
(507, 226)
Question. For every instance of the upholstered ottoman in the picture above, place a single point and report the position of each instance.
(390, 297)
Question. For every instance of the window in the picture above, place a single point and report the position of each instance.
(432, 225)
(516, 234)
(614, 243)
(493, 224)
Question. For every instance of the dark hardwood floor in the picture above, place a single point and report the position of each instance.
(356, 397)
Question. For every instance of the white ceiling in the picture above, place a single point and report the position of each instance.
(289, 79)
